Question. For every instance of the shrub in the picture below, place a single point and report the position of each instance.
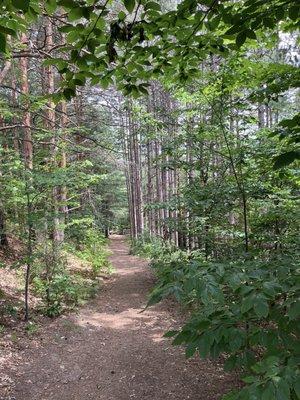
(247, 310)
(93, 250)
(60, 287)
(57, 293)
(149, 246)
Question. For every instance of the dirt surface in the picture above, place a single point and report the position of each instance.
(112, 351)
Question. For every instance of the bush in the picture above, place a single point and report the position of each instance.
(93, 250)
(149, 246)
(57, 293)
(61, 288)
(247, 310)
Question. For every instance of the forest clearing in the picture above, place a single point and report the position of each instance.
(149, 199)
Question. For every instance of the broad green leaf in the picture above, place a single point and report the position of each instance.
(230, 363)
(234, 29)
(69, 93)
(261, 307)
(241, 38)
(297, 388)
(50, 6)
(21, 4)
(234, 395)
(75, 13)
(294, 311)
(286, 158)
(181, 337)
(247, 304)
(152, 5)
(294, 12)
(190, 350)
(129, 5)
(7, 31)
(2, 43)
(67, 3)
(250, 379)
(268, 392)
(121, 15)
(282, 390)
(170, 334)
(250, 34)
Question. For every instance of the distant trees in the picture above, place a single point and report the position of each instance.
(194, 151)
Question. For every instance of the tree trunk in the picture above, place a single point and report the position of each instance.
(28, 162)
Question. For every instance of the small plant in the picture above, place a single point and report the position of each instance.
(14, 337)
(31, 328)
(58, 293)
(11, 310)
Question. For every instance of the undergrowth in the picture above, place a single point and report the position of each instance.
(247, 310)
(74, 275)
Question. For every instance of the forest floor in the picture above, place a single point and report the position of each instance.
(110, 350)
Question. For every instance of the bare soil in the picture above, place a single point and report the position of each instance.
(110, 350)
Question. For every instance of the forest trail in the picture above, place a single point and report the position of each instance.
(112, 351)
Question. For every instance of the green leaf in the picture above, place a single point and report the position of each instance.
(50, 6)
(75, 13)
(261, 307)
(67, 3)
(297, 388)
(156, 297)
(269, 23)
(129, 4)
(291, 122)
(143, 90)
(7, 31)
(190, 350)
(282, 390)
(69, 93)
(247, 304)
(234, 29)
(250, 379)
(152, 5)
(294, 11)
(182, 337)
(286, 158)
(21, 4)
(241, 38)
(170, 334)
(250, 34)
(269, 392)
(294, 311)
(2, 43)
(121, 15)
(230, 363)
(234, 395)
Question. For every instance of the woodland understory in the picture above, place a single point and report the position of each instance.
(176, 124)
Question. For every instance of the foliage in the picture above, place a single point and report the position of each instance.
(248, 310)
(64, 287)
(155, 40)
(63, 290)
(92, 248)
(148, 246)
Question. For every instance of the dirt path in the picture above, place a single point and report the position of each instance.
(111, 351)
